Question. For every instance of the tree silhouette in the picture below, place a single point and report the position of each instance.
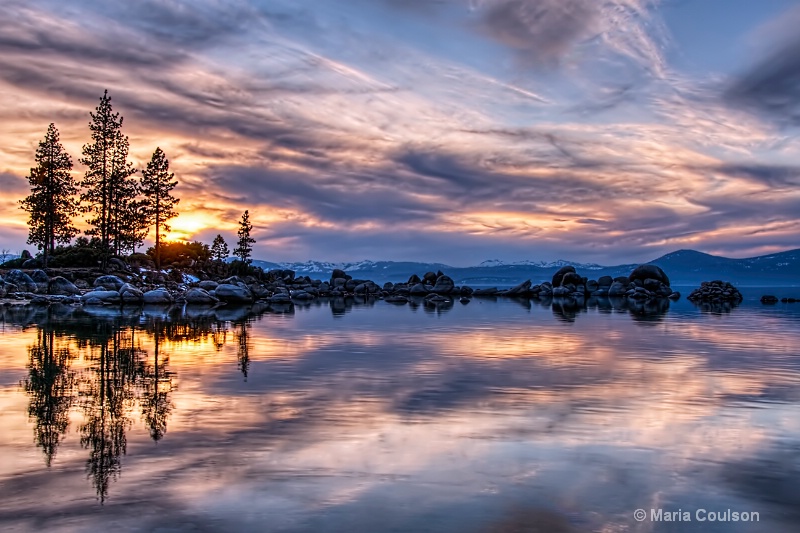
(245, 244)
(51, 386)
(108, 395)
(219, 249)
(51, 203)
(159, 204)
(110, 197)
(155, 401)
(243, 352)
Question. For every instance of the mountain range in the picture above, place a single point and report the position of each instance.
(684, 267)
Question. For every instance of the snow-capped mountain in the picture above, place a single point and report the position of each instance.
(686, 267)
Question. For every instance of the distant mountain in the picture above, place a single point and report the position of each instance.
(684, 267)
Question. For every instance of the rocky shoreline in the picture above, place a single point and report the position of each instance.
(128, 287)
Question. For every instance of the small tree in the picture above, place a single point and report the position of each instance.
(159, 204)
(51, 203)
(219, 249)
(245, 245)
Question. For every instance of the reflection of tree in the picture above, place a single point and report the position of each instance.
(157, 386)
(107, 397)
(243, 355)
(51, 386)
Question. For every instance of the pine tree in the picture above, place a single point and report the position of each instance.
(159, 204)
(51, 203)
(219, 249)
(111, 193)
(245, 245)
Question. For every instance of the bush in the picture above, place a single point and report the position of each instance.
(83, 253)
(181, 253)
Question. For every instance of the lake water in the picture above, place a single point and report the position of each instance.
(496, 416)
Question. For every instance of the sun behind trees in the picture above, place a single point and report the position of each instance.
(121, 209)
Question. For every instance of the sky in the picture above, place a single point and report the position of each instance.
(455, 131)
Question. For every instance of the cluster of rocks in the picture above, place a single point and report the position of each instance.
(645, 283)
(715, 292)
(770, 299)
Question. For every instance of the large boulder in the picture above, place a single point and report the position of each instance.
(617, 289)
(23, 281)
(101, 298)
(418, 290)
(158, 297)
(208, 285)
(338, 273)
(7, 288)
(444, 285)
(645, 272)
(429, 278)
(605, 281)
(109, 282)
(559, 276)
(233, 294)
(62, 286)
(199, 296)
(40, 276)
(571, 278)
(131, 294)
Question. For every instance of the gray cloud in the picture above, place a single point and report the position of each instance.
(541, 31)
(772, 85)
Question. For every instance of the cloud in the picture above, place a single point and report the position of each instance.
(772, 85)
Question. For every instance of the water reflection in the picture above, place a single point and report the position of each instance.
(357, 415)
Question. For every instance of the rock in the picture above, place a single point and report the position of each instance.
(339, 283)
(491, 291)
(388, 286)
(571, 278)
(338, 273)
(396, 299)
(444, 285)
(644, 272)
(558, 276)
(158, 296)
(62, 286)
(82, 284)
(675, 296)
(652, 285)
(617, 289)
(350, 285)
(413, 280)
(208, 285)
(522, 288)
(233, 294)
(625, 280)
(199, 296)
(281, 298)
(466, 291)
(418, 289)
(131, 294)
(715, 291)
(302, 295)
(429, 277)
(101, 298)
(109, 282)
(464, 300)
(561, 292)
(605, 281)
(23, 281)
(769, 299)
(7, 288)
(592, 286)
(32, 263)
(39, 276)
(232, 280)
(118, 264)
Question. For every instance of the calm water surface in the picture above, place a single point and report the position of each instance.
(344, 416)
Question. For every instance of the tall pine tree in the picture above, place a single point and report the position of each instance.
(52, 202)
(245, 244)
(111, 193)
(159, 204)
